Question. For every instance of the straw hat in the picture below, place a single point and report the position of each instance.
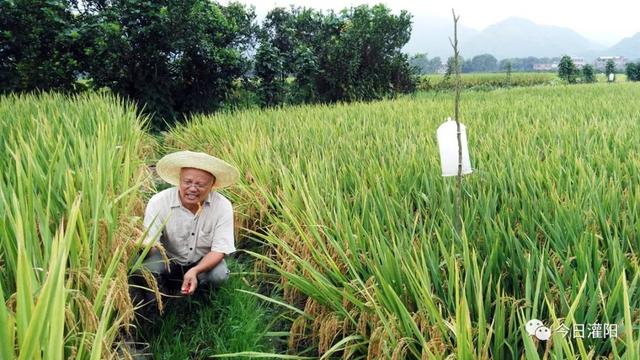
(168, 167)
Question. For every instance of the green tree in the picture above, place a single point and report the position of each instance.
(610, 68)
(269, 69)
(306, 68)
(482, 63)
(508, 68)
(567, 70)
(352, 55)
(39, 47)
(172, 57)
(424, 65)
(588, 74)
(633, 71)
(365, 61)
(420, 62)
(450, 68)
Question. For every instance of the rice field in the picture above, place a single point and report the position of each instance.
(356, 220)
(343, 207)
(488, 81)
(70, 199)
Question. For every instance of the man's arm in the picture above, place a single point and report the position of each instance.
(208, 262)
(223, 243)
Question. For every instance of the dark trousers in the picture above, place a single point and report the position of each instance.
(169, 278)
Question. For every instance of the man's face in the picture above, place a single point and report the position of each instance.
(195, 185)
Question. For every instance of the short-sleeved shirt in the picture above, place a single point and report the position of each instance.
(187, 237)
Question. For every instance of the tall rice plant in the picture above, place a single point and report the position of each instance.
(358, 222)
(69, 206)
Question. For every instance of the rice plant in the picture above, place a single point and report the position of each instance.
(357, 221)
(70, 206)
(487, 81)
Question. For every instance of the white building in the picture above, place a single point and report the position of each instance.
(578, 62)
(619, 61)
(545, 67)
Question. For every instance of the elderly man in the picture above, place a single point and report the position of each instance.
(191, 220)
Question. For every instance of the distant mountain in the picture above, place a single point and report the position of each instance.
(517, 37)
(513, 37)
(627, 47)
(430, 34)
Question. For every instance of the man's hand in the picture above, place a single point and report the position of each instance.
(190, 282)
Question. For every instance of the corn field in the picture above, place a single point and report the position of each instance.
(358, 223)
(70, 203)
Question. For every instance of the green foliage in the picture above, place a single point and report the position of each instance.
(172, 57)
(450, 67)
(486, 81)
(307, 69)
(269, 69)
(424, 65)
(610, 67)
(550, 218)
(213, 322)
(175, 58)
(39, 47)
(633, 71)
(567, 70)
(353, 55)
(481, 63)
(508, 67)
(588, 74)
(71, 182)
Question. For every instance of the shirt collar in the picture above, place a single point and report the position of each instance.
(177, 203)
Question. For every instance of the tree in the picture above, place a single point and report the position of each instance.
(39, 47)
(482, 63)
(366, 61)
(269, 68)
(633, 71)
(307, 69)
(610, 67)
(420, 62)
(435, 64)
(424, 65)
(172, 57)
(352, 55)
(508, 67)
(567, 69)
(588, 74)
(450, 69)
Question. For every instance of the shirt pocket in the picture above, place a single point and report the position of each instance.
(176, 237)
(205, 238)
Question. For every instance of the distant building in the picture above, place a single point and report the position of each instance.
(578, 62)
(601, 62)
(545, 67)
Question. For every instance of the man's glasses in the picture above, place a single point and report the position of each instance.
(188, 183)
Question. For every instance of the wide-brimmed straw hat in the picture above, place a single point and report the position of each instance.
(168, 168)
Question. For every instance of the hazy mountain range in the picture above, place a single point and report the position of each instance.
(513, 37)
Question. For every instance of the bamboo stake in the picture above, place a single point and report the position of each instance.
(456, 115)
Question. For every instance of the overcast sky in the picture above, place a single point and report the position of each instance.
(589, 18)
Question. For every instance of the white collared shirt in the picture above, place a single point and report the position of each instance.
(187, 237)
